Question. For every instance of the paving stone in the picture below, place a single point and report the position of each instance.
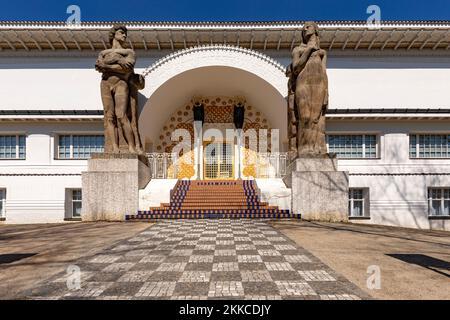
(201, 258)
(179, 266)
(118, 267)
(225, 252)
(316, 275)
(198, 260)
(294, 288)
(153, 258)
(157, 289)
(225, 289)
(119, 289)
(135, 276)
(195, 276)
(249, 258)
(297, 258)
(269, 252)
(255, 276)
(226, 276)
(89, 290)
(226, 266)
(105, 258)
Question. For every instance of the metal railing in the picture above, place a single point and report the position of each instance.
(271, 165)
(266, 165)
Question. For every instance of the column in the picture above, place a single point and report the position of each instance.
(198, 149)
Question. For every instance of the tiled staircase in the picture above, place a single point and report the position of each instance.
(213, 199)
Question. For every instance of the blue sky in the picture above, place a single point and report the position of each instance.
(231, 10)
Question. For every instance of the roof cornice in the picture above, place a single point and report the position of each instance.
(220, 24)
(398, 36)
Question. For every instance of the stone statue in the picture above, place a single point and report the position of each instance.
(119, 91)
(292, 115)
(311, 92)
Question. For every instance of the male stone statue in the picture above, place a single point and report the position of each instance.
(311, 92)
(119, 88)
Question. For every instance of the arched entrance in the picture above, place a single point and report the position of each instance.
(211, 71)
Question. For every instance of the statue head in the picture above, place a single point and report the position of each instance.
(310, 28)
(118, 33)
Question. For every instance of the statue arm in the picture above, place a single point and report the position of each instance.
(324, 55)
(113, 68)
(128, 61)
(299, 59)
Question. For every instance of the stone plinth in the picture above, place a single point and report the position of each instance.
(319, 190)
(111, 186)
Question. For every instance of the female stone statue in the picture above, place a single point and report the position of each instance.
(311, 92)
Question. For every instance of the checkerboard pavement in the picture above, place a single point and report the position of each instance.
(201, 259)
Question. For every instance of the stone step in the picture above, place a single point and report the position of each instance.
(213, 199)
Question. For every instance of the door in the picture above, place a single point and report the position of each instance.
(218, 160)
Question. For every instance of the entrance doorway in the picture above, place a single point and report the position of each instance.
(218, 160)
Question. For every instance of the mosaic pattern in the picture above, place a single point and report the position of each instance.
(202, 259)
(218, 109)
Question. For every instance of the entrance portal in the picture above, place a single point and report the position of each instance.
(218, 160)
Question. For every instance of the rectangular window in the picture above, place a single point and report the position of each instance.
(429, 145)
(357, 203)
(12, 147)
(76, 203)
(353, 146)
(439, 201)
(79, 146)
(2, 202)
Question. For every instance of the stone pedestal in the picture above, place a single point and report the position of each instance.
(319, 191)
(111, 186)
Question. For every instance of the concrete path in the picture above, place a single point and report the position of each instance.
(200, 259)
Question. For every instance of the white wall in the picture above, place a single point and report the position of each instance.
(354, 81)
(35, 187)
(397, 184)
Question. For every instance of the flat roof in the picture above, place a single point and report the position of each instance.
(398, 36)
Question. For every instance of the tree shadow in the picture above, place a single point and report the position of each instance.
(424, 261)
(369, 229)
(13, 257)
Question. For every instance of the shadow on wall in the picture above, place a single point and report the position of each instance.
(437, 265)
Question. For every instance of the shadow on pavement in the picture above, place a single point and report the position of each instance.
(424, 261)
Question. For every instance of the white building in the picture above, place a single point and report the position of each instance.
(389, 117)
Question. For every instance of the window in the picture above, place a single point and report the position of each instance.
(429, 146)
(79, 146)
(353, 146)
(12, 147)
(76, 203)
(439, 201)
(2, 202)
(358, 203)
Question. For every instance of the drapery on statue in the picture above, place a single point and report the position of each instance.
(119, 90)
(308, 70)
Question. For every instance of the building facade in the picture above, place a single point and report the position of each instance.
(388, 118)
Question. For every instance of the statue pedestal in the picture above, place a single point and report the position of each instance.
(111, 186)
(319, 191)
